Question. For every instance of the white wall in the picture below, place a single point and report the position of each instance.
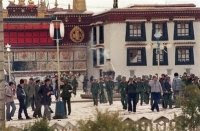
(114, 41)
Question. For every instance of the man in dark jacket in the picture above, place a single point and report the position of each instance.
(66, 95)
(74, 84)
(132, 95)
(21, 96)
(167, 93)
(37, 111)
(46, 91)
(122, 89)
(95, 91)
(110, 85)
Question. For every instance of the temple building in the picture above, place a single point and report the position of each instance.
(119, 40)
(123, 40)
(33, 52)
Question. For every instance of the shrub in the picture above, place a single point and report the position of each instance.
(41, 125)
(190, 117)
(105, 121)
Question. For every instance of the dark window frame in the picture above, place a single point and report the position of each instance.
(135, 38)
(94, 58)
(94, 29)
(101, 34)
(143, 57)
(191, 31)
(191, 55)
(101, 56)
(164, 36)
(165, 57)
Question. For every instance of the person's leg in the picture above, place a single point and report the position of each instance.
(152, 101)
(39, 111)
(111, 97)
(69, 106)
(13, 109)
(33, 103)
(21, 103)
(25, 110)
(45, 111)
(97, 99)
(123, 100)
(134, 102)
(26, 113)
(164, 101)
(8, 114)
(65, 108)
(157, 98)
(170, 100)
(141, 98)
(129, 103)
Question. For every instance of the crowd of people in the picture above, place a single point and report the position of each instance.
(146, 89)
(36, 93)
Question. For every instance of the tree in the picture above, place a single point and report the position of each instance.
(190, 117)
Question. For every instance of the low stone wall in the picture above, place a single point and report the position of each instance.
(160, 124)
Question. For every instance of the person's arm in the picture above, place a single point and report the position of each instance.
(8, 92)
(161, 91)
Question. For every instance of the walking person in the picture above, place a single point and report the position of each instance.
(167, 93)
(21, 96)
(45, 92)
(102, 95)
(37, 111)
(109, 88)
(132, 95)
(178, 87)
(74, 84)
(95, 91)
(9, 100)
(140, 85)
(122, 87)
(156, 91)
(85, 84)
(31, 93)
(66, 95)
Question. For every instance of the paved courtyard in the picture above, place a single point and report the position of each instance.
(86, 110)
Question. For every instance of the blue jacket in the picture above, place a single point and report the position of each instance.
(44, 90)
(21, 95)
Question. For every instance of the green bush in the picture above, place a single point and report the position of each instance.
(41, 125)
(190, 104)
(105, 121)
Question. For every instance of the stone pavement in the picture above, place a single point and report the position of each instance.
(86, 110)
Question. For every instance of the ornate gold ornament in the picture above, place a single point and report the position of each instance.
(77, 34)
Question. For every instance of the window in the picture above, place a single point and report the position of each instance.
(163, 57)
(135, 32)
(159, 28)
(101, 56)
(94, 58)
(94, 35)
(183, 31)
(136, 56)
(101, 34)
(184, 56)
(162, 28)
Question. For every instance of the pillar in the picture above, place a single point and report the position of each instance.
(2, 88)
